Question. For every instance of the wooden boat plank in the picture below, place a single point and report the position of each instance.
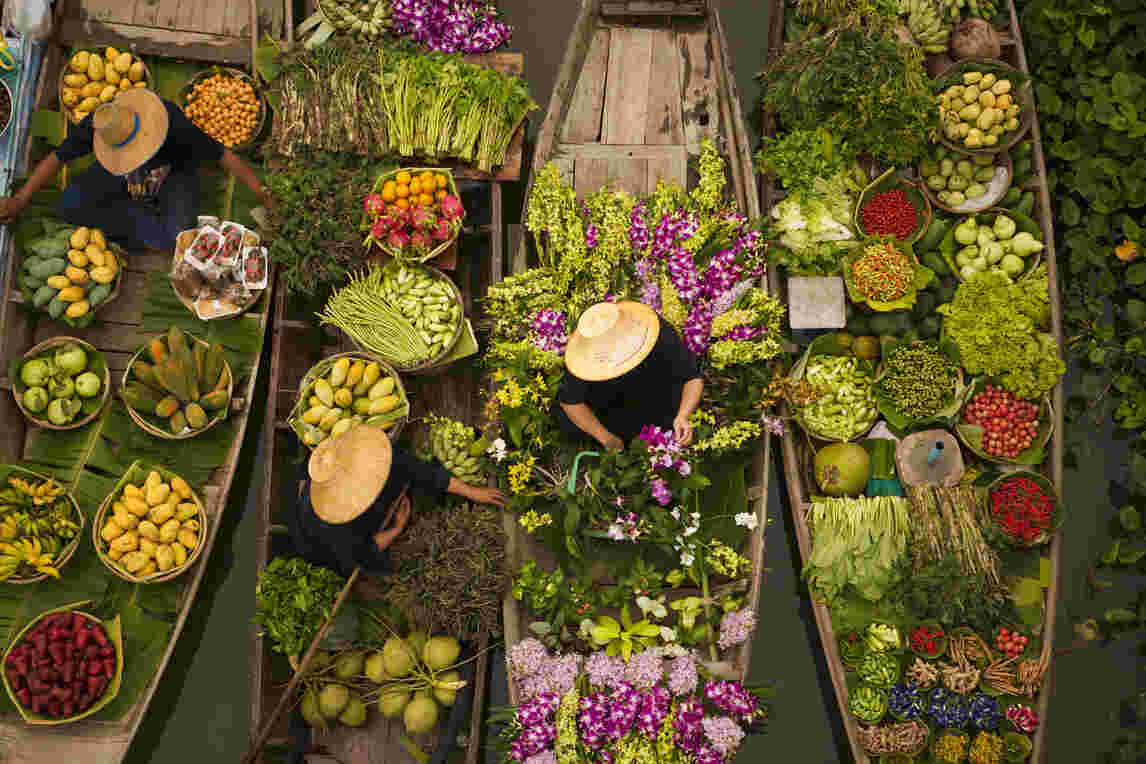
(167, 13)
(589, 175)
(663, 126)
(584, 122)
(629, 76)
(102, 10)
(670, 169)
(630, 175)
(188, 44)
(699, 110)
(146, 12)
(652, 8)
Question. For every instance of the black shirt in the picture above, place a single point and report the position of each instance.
(647, 394)
(186, 145)
(350, 545)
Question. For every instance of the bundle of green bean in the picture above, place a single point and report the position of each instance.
(401, 313)
(846, 407)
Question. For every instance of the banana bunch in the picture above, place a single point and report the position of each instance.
(43, 493)
(954, 10)
(926, 24)
(34, 553)
(458, 448)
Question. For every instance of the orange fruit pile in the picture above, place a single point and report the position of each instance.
(225, 108)
(406, 190)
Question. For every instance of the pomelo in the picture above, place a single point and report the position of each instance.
(842, 469)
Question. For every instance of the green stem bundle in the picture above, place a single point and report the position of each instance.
(359, 310)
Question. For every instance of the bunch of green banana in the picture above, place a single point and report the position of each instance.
(926, 25)
(954, 10)
(458, 448)
(367, 19)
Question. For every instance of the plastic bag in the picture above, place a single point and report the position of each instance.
(31, 19)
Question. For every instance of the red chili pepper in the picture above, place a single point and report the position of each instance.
(890, 213)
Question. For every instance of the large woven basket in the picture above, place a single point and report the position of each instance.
(242, 76)
(18, 386)
(145, 424)
(66, 70)
(1022, 91)
(120, 256)
(138, 472)
(322, 367)
(451, 186)
(68, 551)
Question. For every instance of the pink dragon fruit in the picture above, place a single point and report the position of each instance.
(380, 228)
(373, 204)
(443, 230)
(419, 240)
(423, 218)
(452, 207)
(398, 240)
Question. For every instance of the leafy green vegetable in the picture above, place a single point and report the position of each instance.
(800, 157)
(856, 542)
(815, 224)
(292, 600)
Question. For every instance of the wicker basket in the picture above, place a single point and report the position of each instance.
(145, 424)
(948, 247)
(68, 551)
(1002, 159)
(322, 367)
(138, 472)
(115, 636)
(1022, 94)
(18, 386)
(190, 304)
(1048, 488)
(889, 181)
(242, 76)
(451, 186)
(971, 435)
(121, 260)
(66, 70)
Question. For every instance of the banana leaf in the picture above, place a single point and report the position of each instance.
(900, 423)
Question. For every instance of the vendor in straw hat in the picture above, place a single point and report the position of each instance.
(353, 481)
(627, 368)
(144, 187)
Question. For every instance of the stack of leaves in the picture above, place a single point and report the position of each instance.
(858, 542)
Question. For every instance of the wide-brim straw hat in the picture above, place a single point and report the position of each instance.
(611, 339)
(348, 473)
(129, 130)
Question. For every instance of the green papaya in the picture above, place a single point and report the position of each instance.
(141, 397)
(167, 407)
(49, 267)
(212, 366)
(145, 373)
(44, 295)
(56, 307)
(98, 294)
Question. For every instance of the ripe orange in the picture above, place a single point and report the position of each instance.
(426, 200)
(440, 195)
(388, 194)
(403, 178)
(427, 178)
(402, 191)
(441, 181)
(415, 186)
(403, 204)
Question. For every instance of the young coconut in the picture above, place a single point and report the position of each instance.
(421, 714)
(397, 658)
(349, 664)
(446, 687)
(375, 667)
(354, 715)
(309, 707)
(393, 701)
(417, 641)
(441, 652)
(332, 700)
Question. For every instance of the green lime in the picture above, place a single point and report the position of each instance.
(866, 347)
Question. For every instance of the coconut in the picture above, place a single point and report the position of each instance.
(310, 713)
(842, 469)
(375, 667)
(417, 641)
(348, 664)
(441, 652)
(446, 695)
(421, 714)
(354, 715)
(975, 38)
(333, 699)
(393, 701)
(397, 659)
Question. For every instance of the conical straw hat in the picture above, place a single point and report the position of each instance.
(129, 130)
(611, 339)
(348, 472)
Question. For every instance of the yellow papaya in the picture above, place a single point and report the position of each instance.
(125, 84)
(108, 93)
(147, 570)
(191, 524)
(134, 563)
(158, 494)
(153, 479)
(102, 275)
(78, 309)
(111, 531)
(111, 54)
(113, 554)
(71, 294)
(91, 90)
(179, 486)
(161, 514)
(148, 529)
(329, 418)
(88, 104)
(164, 557)
(128, 542)
(362, 405)
(131, 489)
(70, 97)
(95, 68)
(59, 282)
(313, 401)
(123, 518)
(167, 407)
(75, 80)
(112, 77)
(381, 389)
(186, 511)
(341, 426)
(214, 400)
(123, 63)
(188, 539)
(196, 416)
(136, 505)
(77, 258)
(147, 546)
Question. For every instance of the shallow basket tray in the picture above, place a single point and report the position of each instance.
(1042, 434)
(144, 424)
(18, 387)
(890, 181)
(68, 551)
(451, 186)
(67, 110)
(429, 365)
(139, 471)
(238, 74)
(294, 419)
(256, 294)
(1023, 94)
(1003, 158)
(114, 631)
(948, 247)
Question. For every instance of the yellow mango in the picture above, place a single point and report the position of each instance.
(313, 401)
(128, 542)
(148, 569)
(135, 72)
(76, 275)
(77, 258)
(341, 426)
(91, 90)
(112, 77)
(134, 563)
(123, 518)
(157, 494)
(343, 397)
(70, 97)
(147, 546)
(114, 555)
(79, 62)
(123, 63)
(108, 93)
(124, 84)
(161, 514)
(131, 489)
(315, 414)
(111, 531)
(71, 294)
(188, 539)
(59, 282)
(78, 309)
(102, 275)
(190, 525)
(169, 531)
(186, 511)
(329, 419)
(135, 505)
(180, 487)
(111, 54)
(383, 405)
(95, 68)
(148, 529)
(75, 80)
(354, 376)
(180, 553)
(153, 479)
(88, 104)
(79, 115)
(339, 371)
(98, 239)
(164, 557)
(139, 85)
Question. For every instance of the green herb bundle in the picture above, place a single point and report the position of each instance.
(292, 600)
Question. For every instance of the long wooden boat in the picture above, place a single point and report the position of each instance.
(641, 84)
(796, 475)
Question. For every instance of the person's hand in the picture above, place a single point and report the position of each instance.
(402, 516)
(613, 443)
(682, 428)
(10, 207)
(482, 495)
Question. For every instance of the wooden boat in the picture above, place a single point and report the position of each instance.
(641, 84)
(796, 475)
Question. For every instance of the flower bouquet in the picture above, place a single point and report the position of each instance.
(413, 214)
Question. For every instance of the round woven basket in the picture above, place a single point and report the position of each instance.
(44, 346)
(101, 546)
(451, 186)
(1042, 434)
(889, 181)
(932, 196)
(66, 70)
(1048, 488)
(1023, 95)
(305, 387)
(430, 364)
(68, 551)
(242, 76)
(1031, 261)
(11, 106)
(145, 424)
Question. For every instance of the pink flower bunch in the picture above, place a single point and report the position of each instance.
(723, 734)
(452, 208)
(639, 230)
(664, 450)
(732, 698)
(548, 331)
(683, 675)
(626, 527)
(660, 491)
(687, 726)
(736, 627)
(1023, 717)
(539, 728)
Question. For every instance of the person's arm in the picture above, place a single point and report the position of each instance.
(476, 493)
(12, 206)
(581, 415)
(384, 538)
(689, 400)
(233, 163)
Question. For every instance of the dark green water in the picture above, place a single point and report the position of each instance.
(201, 710)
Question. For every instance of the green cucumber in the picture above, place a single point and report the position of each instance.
(935, 233)
(1027, 205)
